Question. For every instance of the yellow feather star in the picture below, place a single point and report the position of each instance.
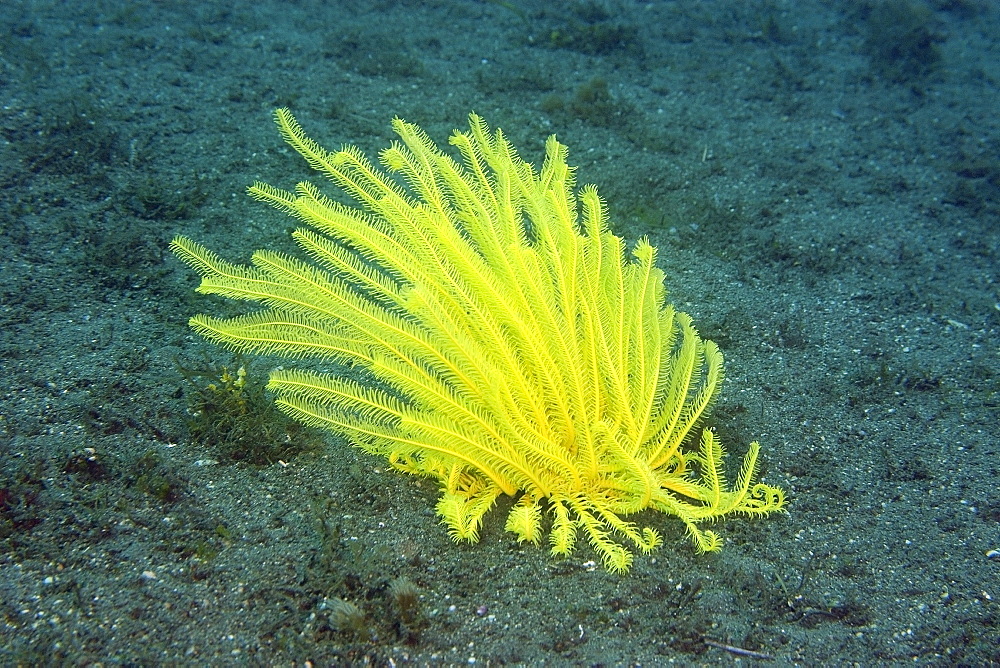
(513, 347)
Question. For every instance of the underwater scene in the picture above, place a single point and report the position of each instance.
(500, 332)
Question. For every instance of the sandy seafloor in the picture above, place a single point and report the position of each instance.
(822, 182)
